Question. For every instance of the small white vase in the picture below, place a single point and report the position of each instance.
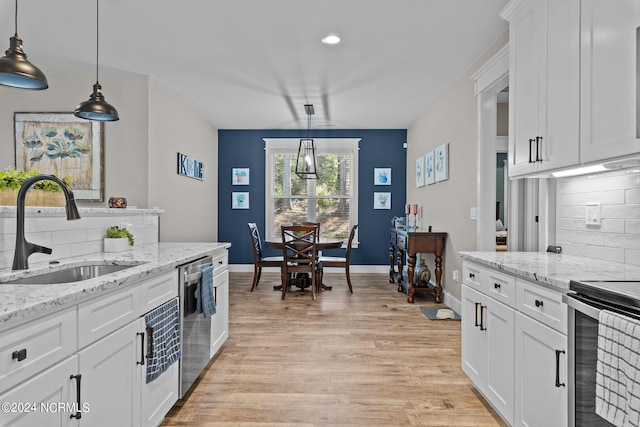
(116, 245)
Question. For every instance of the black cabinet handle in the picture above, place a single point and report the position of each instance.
(19, 355)
(531, 148)
(141, 335)
(496, 286)
(480, 315)
(539, 303)
(472, 276)
(558, 383)
(150, 353)
(78, 413)
(538, 147)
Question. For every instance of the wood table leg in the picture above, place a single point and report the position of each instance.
(438, 290)
(392, 271)
(411, 260)
(400, 257)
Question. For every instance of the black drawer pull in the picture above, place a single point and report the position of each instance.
(530, 148)
(539, 303)
(20, 355)
(151, 352)
(472, 276)
(141, 335)
(558, 383)
(496, 286)
(78, 413)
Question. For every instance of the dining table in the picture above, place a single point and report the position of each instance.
(303, 281)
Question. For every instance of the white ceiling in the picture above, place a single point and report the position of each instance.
(253, 64)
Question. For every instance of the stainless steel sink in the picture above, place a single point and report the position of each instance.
(71, 274)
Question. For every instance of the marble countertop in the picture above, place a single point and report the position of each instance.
(554, 270)
(19, 302)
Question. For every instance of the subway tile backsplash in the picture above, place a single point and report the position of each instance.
(617, 238)
(49, 227)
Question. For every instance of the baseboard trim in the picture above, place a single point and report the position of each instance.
(248, 268)
(452, 302)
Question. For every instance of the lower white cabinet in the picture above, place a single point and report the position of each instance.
(487, 351)
(36, 402)
(514, 346)
(220, 320)
(541, 374)
(110, 379)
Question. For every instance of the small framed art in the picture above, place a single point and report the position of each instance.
(240, 200)
(381, 200)
(381, 176)
(420, 171)
(240, 176)
(429, 171)
(441, 162)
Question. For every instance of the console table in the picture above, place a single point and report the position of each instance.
(411, 243)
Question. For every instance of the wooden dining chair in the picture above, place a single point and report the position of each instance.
(260, 261)
(340, 262)
(300, 255)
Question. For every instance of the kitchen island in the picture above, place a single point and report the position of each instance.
(111, 341)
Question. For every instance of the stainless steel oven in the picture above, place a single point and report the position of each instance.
(195, 329)
(585, 301)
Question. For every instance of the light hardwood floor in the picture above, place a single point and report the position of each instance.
(362, 359)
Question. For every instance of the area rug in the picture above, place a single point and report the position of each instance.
(432, 313)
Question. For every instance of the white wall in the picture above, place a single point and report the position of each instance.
(618, 236)
(191, 208)
(446, 205)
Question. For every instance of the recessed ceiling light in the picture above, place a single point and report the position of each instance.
(331, 39)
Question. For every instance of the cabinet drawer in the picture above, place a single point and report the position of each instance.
(158, 290)
(104, 315)
(500, 286)
(472, 275)
(44, 342)
(392, 238)
(542, 304)
(402, 242)
(220, 263)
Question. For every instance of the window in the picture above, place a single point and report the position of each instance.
(330, 200)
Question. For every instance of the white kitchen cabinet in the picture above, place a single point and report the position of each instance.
(220, 320)
(544, 91)
(40, 396)
(541, 374)
(487, 350)
(609, 112)
(111, 378)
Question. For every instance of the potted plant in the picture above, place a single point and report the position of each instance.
(43, 193)
(118, 239)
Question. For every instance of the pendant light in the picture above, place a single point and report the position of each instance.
(97, 108)
(15, 70)
(307, 161)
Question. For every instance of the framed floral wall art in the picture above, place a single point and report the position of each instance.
(240, 200)
(381, 200)
(420, 171)
(441, 160)
(240, 176)
(64, 145)
(429, 169)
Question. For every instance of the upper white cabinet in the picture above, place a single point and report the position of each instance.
(544, 90)
(572, 83)
(608, 109)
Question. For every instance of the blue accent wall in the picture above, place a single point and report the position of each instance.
(245, 149)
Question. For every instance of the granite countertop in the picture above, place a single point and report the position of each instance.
(19, 302)
(554, 270)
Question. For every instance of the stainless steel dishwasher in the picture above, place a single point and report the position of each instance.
(195, 329)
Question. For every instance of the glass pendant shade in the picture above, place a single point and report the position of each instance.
(96, 108)
(306, 162)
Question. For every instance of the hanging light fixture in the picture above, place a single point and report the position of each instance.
(15, 70)
(306, 162)
(97, 108)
